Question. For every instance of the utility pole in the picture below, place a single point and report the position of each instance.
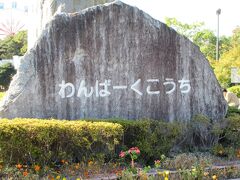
(218, 12)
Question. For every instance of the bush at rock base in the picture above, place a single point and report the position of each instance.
(47, 141)
(235, 89)
(154, 138)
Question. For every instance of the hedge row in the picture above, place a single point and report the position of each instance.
(47, 141)
(154, 138)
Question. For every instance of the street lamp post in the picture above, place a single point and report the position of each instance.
(218, 12)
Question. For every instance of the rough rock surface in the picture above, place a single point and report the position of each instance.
(44, 10)
(132, 66)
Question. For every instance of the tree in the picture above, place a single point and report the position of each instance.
(231, 58)
(206, 40)
(236, 37)
(198, 34)
(13, 45)
(188, 30)
(6, 73)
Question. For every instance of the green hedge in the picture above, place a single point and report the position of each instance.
(235, 89)
(229, 141)
(232, 131)
(233, 111)
(47, 141)
(153, 138)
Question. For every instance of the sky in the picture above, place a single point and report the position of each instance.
(189, 11)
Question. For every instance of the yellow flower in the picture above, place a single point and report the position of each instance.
(214, 177)
(165, 175)
(37, 168)
(238, 153)
(206, 173)
(64, 178)
(77, 166)
(90, 163)
(58, 177)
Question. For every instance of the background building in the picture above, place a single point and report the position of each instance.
(41, 11)
(13, 16)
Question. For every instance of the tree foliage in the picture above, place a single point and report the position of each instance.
(229, 59)
(6, 73)
(229, 47)
(198, 34)
(13, 45)
(188, 30)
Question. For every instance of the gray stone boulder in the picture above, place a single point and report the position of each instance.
(112, 61)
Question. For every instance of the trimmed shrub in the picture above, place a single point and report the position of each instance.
(153, 138)
(201, 128)
(7, 71)
(232, 111)
(235, 89)
(232, 132)
(200, 134)
(47, 141)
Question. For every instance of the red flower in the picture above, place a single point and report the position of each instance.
(137, 150)
(122, 154)
(134, 149)
(157, 161)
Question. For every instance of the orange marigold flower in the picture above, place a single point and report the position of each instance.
(238, 153)
(50, 177)
(118, 173)
(86, 174)
(25, 173)
(19, 166)
(37, 168)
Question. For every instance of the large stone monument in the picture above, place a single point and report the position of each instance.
(42, 12)
(110, 61)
